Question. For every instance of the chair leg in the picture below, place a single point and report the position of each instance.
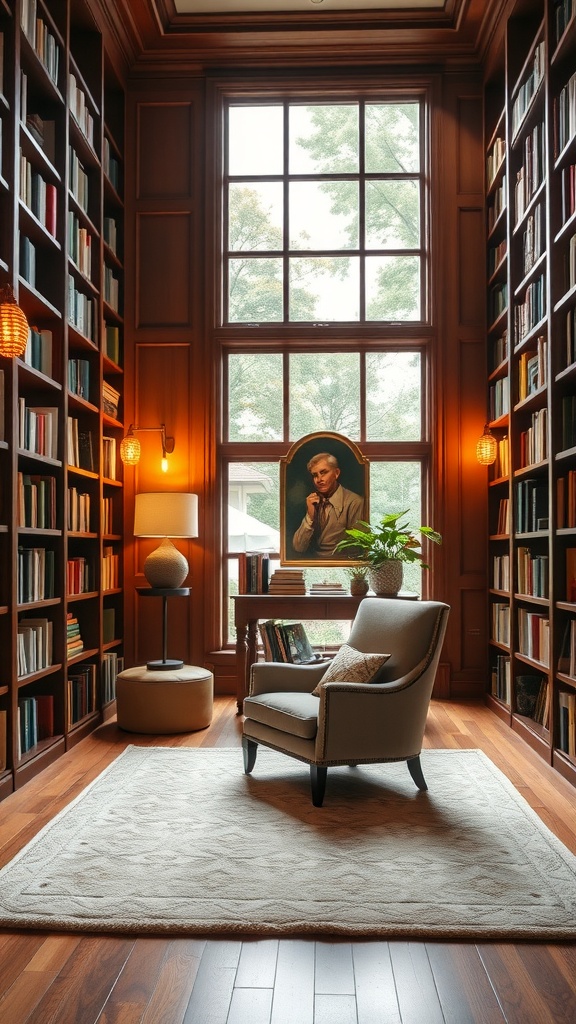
(318, 783)
(415, 769)
(249, 750)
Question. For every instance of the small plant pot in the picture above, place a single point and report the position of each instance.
(387, 577)
(359, 587)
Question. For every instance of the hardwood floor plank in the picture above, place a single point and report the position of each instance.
(214, 983)
(293, 1001)
(81, 989)
(257, 967)
(550, 981)
(16, 952)
(22, 998)
(250, 1006)
(330, 1009)
(171, 995)
(137, 985)
(415, 988)
(464, 990)
(521, 1000)
(334, 968)
(54, 953)
(376, 998)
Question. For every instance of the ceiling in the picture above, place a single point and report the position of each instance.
(274, 6)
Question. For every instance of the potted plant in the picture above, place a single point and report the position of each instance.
(358, 575)
(385, 547)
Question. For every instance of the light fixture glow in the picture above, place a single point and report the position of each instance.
(131, 449)
(14, 327)
(487, 448)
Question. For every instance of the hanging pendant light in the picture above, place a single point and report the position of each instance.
(487, 448)
(130, 449)
(13, 325)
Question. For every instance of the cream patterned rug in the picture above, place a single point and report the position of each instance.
(180, 841)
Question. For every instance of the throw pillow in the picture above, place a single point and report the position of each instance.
(351, 666)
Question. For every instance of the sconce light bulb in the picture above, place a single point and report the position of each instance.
(164, 464)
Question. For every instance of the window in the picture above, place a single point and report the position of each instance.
(324, 212)
(325, 266)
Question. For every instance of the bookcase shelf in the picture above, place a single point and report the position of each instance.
(532, 263)
(62, 109)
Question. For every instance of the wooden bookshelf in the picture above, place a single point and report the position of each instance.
(530, 134)
(61, 616)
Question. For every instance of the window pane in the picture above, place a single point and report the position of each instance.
(323, 139)
(393, 288)
(255, 216)
(254, 411)
(393, 214)
(392, 138)
(255, 290)
(395, 487)
(323, 215)
(325, 393)
(393, 396)
(324, 288)
(256, 140)
(253, 506)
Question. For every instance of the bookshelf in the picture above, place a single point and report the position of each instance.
(530, 133)
(61, 240)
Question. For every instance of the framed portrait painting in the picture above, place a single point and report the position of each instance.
(324, 485)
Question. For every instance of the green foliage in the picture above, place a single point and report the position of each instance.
(388, 539)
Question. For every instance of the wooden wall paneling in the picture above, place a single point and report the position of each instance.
(459, 315)
(165, 328)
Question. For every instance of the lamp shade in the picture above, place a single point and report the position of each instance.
(13, 325)
(166, 514)
(487, 448)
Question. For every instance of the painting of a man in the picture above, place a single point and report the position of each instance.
(330, 510)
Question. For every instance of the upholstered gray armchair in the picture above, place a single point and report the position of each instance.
(352, 723)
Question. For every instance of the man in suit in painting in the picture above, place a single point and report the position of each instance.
(330, 509)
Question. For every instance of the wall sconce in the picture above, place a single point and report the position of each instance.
(166, 514)
(130, 447)
(487, 447)
(14, 328)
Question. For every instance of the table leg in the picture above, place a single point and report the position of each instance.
(241, 666)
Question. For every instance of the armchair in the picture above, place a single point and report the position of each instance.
(352, 723)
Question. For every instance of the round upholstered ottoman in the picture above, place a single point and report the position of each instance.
(178, 700)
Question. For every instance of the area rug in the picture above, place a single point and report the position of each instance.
(180, 841)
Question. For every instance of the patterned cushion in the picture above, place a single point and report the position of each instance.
(352, 666)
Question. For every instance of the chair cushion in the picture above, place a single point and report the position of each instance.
(352, 666)
(294, 713)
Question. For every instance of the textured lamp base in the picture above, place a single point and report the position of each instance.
(166, 566)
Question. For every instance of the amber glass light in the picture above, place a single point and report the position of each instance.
(487, 448)
(130, 450)
(13, 325)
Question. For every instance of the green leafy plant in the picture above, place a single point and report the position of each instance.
(358, 572)
(388, 539)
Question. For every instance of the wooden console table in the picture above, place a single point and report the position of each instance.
(250, 608)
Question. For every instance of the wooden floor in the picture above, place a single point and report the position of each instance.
(81, 979)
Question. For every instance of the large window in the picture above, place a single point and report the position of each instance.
(324, 212)
(324, 321)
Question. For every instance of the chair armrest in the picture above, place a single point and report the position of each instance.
(280, 677)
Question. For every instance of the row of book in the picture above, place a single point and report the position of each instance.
(531, 310)
(78, 179)
(253, 572)
(531, 506)
(494, 159)
(35, 721)
(501, 572)
(111, 289)
(530, 175)
(567, 722)
(565, 115)
(38, 352)
(78, 511)
(110, 231)
(534, 636)
(40, 38)
(110, 569)
(532, 369)
(27, 266)
(79, 575)
(35, 578)
(79, 109)
(81, 311)
(36, 501)
(38, 429)
(34, 645)
(501, 466)
(534, 440)
(112, 666)
(533, 238)
(286, 641)
(80, 446)
(532, 696)
(82, 692)
(532, 573)
(528, 88)
(40, 196)
(503, 521)
(79, 245)
(79, 377)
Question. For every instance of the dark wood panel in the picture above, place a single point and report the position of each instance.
(165, 139)
(471, 248)
(164, 269)
(470, 169)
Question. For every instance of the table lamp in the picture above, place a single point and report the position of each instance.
(166, 514)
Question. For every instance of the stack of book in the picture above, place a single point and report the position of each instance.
(286, 641)
(327, 589)
(81, 692)
(287, 581)
(110, 400)
(34, 647)
(74, 642)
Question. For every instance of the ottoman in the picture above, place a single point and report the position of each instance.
(179, 700)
